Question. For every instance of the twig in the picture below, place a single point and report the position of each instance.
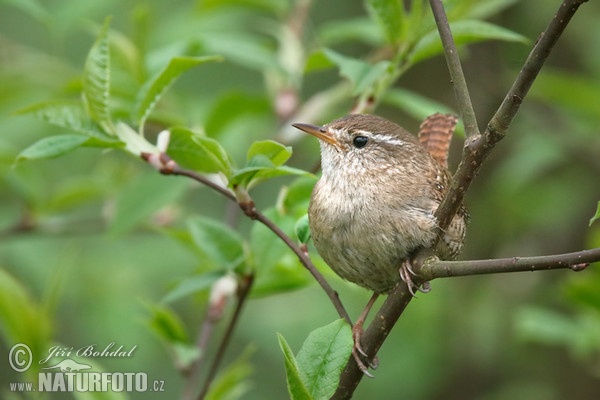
(476, 150)
(576, 261)
(454, 67)
(247, 205)
(242, 295)
(478, 147)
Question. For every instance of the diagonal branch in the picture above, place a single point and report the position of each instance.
(454, 67)
(477, 148)
(167, 166)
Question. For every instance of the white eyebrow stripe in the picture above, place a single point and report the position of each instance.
(388, 139)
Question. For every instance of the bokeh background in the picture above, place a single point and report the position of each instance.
(70, 275)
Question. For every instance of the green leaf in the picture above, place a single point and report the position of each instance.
(265, 160)
(296, 388)
(143, 197)
(167, 324)
(596, 216)
(193, 285)
(302, 230)
(278, 269)
(297, 195)
(200, 153)
(323, 356)
(362, 74)
(22, 319)
(269, 152)
(96, 80)
(232, 383)
(390, 15)
(135, 143)
(52, 146)
(223, 247)
(464, 32)
(152, 91)
(72, 116)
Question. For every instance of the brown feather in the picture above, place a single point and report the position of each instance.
(435, 134)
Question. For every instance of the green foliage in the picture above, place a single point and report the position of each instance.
(233, 382)
(164, 240)
(264, 160)
(596, 216)
(96, 80)
(153, 90)
(314, 373)
(222, 246)
(197, 152)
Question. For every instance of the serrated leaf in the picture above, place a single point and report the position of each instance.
(72, 116)
(596, 216)
(140, 199)
(96, 80)
(200, 153)
(464, 32)
(296, 388)
(323, 356)
(152, 91)
(223, 247)
(362, 74)
(193, 285)
(390, 15)
(52, 146)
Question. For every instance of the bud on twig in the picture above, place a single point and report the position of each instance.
(222, 290)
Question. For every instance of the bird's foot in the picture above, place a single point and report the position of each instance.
(406, 274)
(358, 353)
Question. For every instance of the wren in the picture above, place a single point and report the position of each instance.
(374, 205)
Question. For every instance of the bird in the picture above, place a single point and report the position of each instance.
(373, 206)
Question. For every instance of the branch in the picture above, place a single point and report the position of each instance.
(165, 165)
(242, 295)
(477, 148)
(454, 67)
(577, 261)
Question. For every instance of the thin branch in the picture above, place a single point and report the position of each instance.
(242, 295)
(477, 148)
(454, 67)
(247, 205)
(576, 261)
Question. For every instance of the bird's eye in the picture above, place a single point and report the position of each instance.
(360, 141)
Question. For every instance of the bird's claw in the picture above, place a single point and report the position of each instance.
(357, 352)
(406, 274)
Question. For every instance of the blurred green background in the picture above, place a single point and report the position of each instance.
(74, 271)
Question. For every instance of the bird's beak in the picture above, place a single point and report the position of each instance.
(319, 132)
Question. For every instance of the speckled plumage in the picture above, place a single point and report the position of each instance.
(373, 206)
